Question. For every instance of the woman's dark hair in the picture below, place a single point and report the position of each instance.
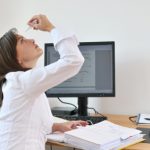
(8, 57)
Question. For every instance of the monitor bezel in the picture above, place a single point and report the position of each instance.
(112, 94)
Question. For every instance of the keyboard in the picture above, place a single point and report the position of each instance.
(89, 119)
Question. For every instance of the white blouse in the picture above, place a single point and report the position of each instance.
(25, 116)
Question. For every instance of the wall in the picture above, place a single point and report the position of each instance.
(126, 22)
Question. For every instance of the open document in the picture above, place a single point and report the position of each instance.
(103, 136)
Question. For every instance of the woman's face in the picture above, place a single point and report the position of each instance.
(28, 52)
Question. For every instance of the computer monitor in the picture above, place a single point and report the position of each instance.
(96, 77)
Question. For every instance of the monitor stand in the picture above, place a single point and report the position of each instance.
(82, 106)
(83, 113)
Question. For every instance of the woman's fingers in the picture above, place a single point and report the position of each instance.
(40, 22)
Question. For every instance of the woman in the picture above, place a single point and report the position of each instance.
(25, 116)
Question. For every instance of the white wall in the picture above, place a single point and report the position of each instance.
(126, 22)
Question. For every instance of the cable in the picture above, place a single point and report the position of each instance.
(96, 112)
(93, 109)
(67, 103)
(131, 118)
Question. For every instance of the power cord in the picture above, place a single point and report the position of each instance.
(68, 103)
(132, 117)
(96, 112)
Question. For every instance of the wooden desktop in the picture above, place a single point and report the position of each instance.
(120, 120)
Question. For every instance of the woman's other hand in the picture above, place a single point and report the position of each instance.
(67, 126)
(40, 22)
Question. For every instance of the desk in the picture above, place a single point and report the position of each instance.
(120, 120)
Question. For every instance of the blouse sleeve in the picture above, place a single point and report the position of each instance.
(38, 80)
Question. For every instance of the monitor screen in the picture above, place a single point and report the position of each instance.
(96, 77)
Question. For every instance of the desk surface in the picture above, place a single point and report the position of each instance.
(120, 120)
(124, 121)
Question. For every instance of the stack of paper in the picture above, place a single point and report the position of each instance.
(57, 136)
(103, 136)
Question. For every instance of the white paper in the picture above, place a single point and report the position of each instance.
(58, 137)
(103, 135)
(142, 120)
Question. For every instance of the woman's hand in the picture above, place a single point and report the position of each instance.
(40, 22)
(66, 126)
